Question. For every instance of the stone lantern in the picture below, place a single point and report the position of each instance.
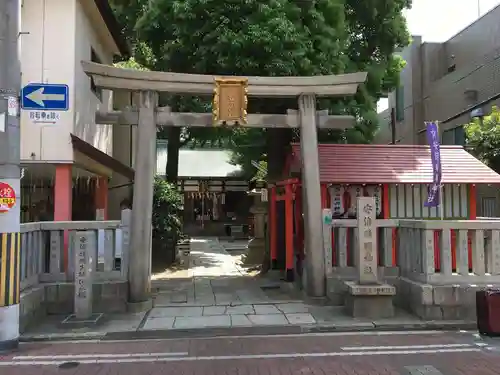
(257, 245)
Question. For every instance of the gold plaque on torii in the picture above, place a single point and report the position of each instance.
(230, 101)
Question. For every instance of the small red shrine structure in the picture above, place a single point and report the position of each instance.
(398, 176)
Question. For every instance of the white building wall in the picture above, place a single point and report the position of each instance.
(47, 56)
(86, 101)
(57, 35)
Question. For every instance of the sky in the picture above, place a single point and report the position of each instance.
(439, 20)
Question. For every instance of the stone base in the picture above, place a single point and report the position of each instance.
(136, 307)
(72, 321)
(369, 301)
(439, 302)
(255, 252)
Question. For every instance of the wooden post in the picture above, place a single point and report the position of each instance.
(272, 228)
(289, 260)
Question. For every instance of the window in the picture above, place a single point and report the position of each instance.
(400, 104)
(488, 207)
(93, 88)
(455, 136)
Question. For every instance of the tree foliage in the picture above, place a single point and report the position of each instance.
(167, 206)
(271, 38)
(483, 138)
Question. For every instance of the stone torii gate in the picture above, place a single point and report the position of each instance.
(229, 108)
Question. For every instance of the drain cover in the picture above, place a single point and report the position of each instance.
(68, 365)
(270, 287)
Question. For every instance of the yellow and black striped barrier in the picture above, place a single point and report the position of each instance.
(10, 258)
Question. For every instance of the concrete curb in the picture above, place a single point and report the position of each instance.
(250, 331)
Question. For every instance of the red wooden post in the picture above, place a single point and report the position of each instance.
(472, 216)
(289, 233)
(272, 228)
(386, 214)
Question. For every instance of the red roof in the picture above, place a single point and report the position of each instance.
(341, 163)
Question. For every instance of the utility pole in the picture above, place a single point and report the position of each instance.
(393, 126)
(10, 173)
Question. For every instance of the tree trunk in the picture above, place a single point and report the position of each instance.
(173, 146)
(278, 140)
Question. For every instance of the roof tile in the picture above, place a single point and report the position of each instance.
(341, 163)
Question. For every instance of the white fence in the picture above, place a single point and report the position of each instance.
(429, 251)
(44, 259)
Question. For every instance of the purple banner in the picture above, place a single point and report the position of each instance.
(433, 139)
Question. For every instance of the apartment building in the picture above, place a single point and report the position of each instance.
(448, 82)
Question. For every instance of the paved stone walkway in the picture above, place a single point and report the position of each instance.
(213, 296)
(217, 293)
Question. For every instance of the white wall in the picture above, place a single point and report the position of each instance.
(47, 55)
(57, 36)
(86, 102)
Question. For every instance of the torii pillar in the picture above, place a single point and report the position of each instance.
(142, 208)
(313, 230)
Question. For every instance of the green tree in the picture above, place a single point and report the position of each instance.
(483, 138)
(166, 222)
(272, 38)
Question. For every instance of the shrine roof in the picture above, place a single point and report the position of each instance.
(342, 163)
(198, 163)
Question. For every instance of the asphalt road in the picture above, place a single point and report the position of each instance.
(369, 353)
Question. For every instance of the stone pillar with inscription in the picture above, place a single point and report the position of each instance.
(367, 297)
(313, 230)
(84, 246)
(142, 206)
(366, 252)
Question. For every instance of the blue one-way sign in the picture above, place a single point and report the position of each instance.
(45, 96)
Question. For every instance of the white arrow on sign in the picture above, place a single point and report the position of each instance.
(38, 97)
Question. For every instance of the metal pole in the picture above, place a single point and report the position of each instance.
(393, 126)
(10, 174)
(441, 208)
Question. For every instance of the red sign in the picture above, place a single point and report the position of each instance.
(7, 197)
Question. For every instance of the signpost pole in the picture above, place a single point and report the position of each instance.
(10, 174)
(441, 208)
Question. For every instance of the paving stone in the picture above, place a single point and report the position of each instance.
(202, 321)
(240, 321)
(214, 310)
(292, 308)
(266, 309)
(300, 318)
(159, 323)
(158, 312)
(179, 298)
(268, 320)
(240, 310)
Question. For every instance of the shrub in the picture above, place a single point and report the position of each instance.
(167, 209)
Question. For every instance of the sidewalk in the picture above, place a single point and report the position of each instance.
(213, 295)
